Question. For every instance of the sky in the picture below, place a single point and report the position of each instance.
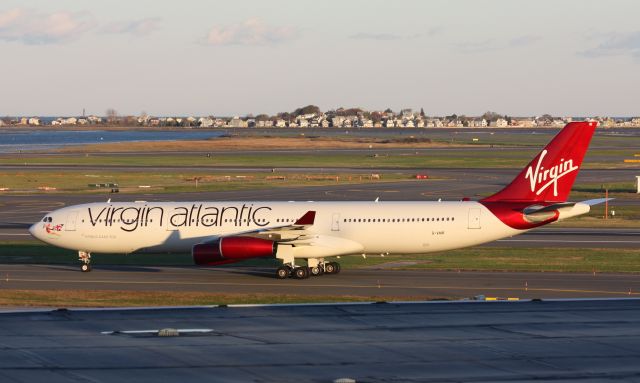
(225, 58)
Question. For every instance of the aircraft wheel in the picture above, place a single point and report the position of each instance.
(283, 272)
(301, 272)
(330, 268)
(315, 271)
(85, 267)
(337, 266)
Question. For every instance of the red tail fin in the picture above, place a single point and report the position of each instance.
(551, 174)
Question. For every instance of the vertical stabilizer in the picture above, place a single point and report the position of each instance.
(550, 176)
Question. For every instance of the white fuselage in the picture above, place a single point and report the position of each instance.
(340, 228)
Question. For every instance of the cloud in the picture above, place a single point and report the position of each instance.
(250, 32)
(478, 46)
(490, 45)
(616, 44)
(140, 27)
(524, 41)
(32, 27)
(376, 36)
(392, 36)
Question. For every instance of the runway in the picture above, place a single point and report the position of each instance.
(369, 282)
(589, 340)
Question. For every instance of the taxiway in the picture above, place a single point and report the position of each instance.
(584, 340)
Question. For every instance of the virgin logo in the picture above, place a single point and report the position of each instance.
(542, 178)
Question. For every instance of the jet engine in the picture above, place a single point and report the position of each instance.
(232, 249)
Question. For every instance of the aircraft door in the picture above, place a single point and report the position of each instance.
(474, 218)
(72, 218)
(335, 222)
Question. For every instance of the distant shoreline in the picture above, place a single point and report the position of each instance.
(274, 129)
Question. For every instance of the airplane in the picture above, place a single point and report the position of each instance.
(226, 232)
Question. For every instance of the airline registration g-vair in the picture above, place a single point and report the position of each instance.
(226, 232)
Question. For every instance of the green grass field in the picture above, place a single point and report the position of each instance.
(425, 158)
(71, 181)
(477, 258)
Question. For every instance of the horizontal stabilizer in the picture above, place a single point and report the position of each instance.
(536, 209)
(596, 201)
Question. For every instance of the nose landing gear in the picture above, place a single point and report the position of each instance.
(85, 258)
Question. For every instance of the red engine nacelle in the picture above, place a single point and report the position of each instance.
(232, 249)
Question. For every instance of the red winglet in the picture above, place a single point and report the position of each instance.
(307, 219)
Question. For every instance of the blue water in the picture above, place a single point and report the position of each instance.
(12, 141)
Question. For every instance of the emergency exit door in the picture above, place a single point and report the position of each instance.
(474, 218)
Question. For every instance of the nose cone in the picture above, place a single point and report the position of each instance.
(33, 230)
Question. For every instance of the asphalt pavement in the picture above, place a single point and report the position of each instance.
(568, 341)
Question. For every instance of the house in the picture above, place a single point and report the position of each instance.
(83, 121)
(205, 122)
(143, 120)
(475, 123)
(303, 123)
(406, 113)
(337, 121)
(635, 121)
(523, 123)
(34, 121)
(455, 123)
(307, 116)
(366, 123)
(499, 123)
(237, 122)
(23, 121)
(69, 121)
(409, 124)
(280, 123)
(94, 119)
(389, 124)
(420, 123)
(325, 123)
(377, 124)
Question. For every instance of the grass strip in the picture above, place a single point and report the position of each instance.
(111, 298)
(427, 158)
(621, 260)
(74, 181)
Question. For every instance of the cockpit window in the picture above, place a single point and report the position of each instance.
(47, 219)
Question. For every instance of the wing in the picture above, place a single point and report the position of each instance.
(287, 233)
(282, 233)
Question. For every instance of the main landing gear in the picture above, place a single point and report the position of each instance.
(303, 272)
(85, 258)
